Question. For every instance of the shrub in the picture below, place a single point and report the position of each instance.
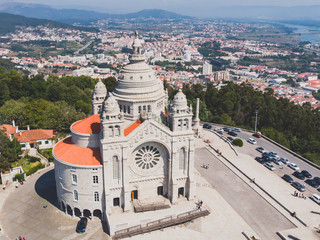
(35, 168)
(19, 177)
(238, 142)
(33, 159)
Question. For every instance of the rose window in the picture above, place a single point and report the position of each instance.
(147, 157)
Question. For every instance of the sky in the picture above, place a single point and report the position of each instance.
(188, 7)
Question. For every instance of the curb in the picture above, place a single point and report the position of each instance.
(262, 189)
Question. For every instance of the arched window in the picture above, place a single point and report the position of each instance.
(144, 108)
(182, 158)
(149, 108)
(120, 107)
(128, 109)
(96, 196)
(186, 123)
(111, 131)
(75, 195)
(124, 109)
(117, 131)
(116, 168)
(139, 109)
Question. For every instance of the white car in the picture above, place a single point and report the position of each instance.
(252, 141)
(236, 129)
(269, 166)
(294, 166)
(277, 161)
(316, 198)
(285, 161)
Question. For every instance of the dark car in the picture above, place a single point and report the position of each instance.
(306, 174)
(287, 178)
(82, 224)
(267, 158)
(230, 138)
(298, 186)
(233, 134)
(260, 160)
(257, 135)
(317, 180)
(260, 149)
(207, 126)
(312, 183)
(265, 154)
(226, 129)
(299, 175)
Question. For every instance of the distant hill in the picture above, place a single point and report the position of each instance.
(80, 16)
(155, 13)
(9, 22)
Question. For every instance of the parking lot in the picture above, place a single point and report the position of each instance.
(250, 149)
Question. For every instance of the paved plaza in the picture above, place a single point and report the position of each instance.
(236, 205)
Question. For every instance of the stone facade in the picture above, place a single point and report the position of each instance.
(134, 146)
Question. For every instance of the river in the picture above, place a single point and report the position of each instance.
(311, 34)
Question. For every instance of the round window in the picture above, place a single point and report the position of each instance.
(147, 157)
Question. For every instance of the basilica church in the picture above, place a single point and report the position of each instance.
(136, 145)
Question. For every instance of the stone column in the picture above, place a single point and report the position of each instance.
(191, 183)
(125, 182)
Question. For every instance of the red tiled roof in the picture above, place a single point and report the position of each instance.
(132, 127)
(89, 125)
(8, 129)
(33, 135)
(68, 152)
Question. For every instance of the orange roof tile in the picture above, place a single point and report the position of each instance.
(8, 129)
(68, 152)
(132, 127)
(33, 135)
(89, 125)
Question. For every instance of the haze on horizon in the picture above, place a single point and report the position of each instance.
(187, 7)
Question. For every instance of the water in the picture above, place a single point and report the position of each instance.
(311, 34)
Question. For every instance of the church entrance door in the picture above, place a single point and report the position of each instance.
(181, 191)
(160, 190)
(134, 194)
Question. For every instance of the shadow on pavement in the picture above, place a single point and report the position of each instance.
(46, 187)
(292, 237)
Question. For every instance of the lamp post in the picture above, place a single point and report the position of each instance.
(255, 125)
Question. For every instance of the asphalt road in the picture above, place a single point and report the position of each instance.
(262, 217)
(249, 149)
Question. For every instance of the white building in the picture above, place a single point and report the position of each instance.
(134, 147)
(207, 68)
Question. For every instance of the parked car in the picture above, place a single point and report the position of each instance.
(226, 129)
(207, 126)
(220, 132)
(236, 129)
(274, 154)
(298, 186)
(230, 138)
(257, 135)
(317, 180)
(312, 183)
(277, 161)
(268, 159)
(82, 224)
(269, 166)
(284, 160)
(252, 141)
(316, 198)
(260, 149)
(232, 134)
(306, 174)
(299, 175)
(294, 166)
(287, 178)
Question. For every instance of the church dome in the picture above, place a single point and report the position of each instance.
(137, 80)
(111, 106)
(100, 89)
(180, 100)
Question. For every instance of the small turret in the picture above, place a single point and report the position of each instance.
(111, 118)
(180, 115)
(98, 95)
